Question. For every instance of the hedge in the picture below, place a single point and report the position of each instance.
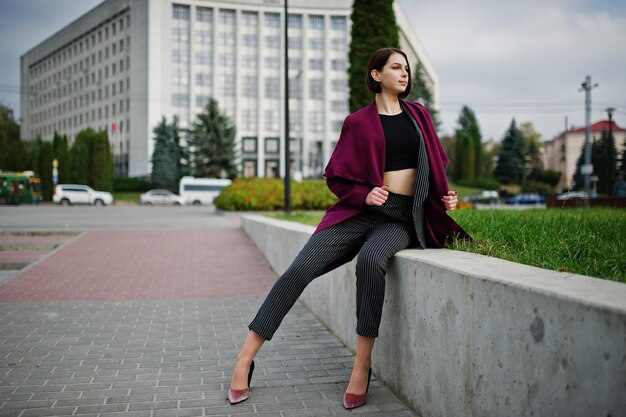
(257, 194)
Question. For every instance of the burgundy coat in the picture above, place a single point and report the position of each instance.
(358, 164)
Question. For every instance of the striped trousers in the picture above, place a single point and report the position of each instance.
(375, 234)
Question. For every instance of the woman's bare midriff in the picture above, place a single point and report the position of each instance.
(402, 181)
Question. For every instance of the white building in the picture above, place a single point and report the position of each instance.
(562, 153)
(125, 64)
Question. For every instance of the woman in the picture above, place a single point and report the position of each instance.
(388, 171)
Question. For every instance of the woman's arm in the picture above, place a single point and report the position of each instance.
(351, 192)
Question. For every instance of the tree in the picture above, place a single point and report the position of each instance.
(622, 166)
(44, 168)
(13, 152)
(212, 144)
(511, 164)
(421, 92)
(166, 157)
(80, 156)
(373, 27)
(61, 153)
(101, 166)
(604, 162)
(533, 147)
(469, 148)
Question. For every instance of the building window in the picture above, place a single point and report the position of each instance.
(179, 12)
(227, 85)
(227, 17)
(272, 87)
(271, 145)
(338, 23)
(295, 42)
(227, 60)
(249, 119)
(316, 64)
(204, 58)
(250, 19)
(338, 64)
(339, 84)
(249, 61)
(316, 22)
(180, 56)
(339, 105)
(227, 38)
(338, 44)
(272, 41)
(203, 78)
(250, 40)
(272, 62)
(271, 120)
(180, 34)
(249, 168)
(204, 14)
(316, 89)
(295, 87)
(316, 43)
(180, 100)
(271, 168)
(250, 86)
(204, 36)
(316, 121)
(294, 21)
(272, 20)
(248, 145)
(202, 100)
(295, 64)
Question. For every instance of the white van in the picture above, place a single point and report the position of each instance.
(198, 191)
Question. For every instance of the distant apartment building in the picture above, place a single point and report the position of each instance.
(125, 64)
(562, 153)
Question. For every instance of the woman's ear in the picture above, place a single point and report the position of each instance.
(375, 76)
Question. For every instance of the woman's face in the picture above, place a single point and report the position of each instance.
(394, 77)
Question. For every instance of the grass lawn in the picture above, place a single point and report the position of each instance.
(131, 196)
(582, 241)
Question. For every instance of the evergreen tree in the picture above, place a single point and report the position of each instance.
(622, 165)
(80, 157)
(604, 160)
(101, 165)
(45, 169)
(373, 27)
(166, 157)
(212, 144)
(469, 148)
(421, 92)
(511, 164)
(62, 154)
(13, 153)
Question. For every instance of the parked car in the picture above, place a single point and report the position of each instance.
(483, 197)
(159, 196)
(68, 194)
(526, 198)
(572, 194)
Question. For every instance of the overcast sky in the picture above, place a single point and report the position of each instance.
(523, 60)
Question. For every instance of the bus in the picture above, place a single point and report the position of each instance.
(199, 191)
(20, 187)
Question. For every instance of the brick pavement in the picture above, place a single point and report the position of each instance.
(147, 323)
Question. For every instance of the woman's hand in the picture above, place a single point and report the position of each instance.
(450, 200)
(377, 196)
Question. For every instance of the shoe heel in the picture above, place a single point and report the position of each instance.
(236, 396)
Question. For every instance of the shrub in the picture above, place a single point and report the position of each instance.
(538, 187)
(131, 184)
(268, 194)
(484, 183)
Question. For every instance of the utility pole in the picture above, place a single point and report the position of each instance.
(587, 168)
(287, 136)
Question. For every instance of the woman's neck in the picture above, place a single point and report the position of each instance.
(388, 104)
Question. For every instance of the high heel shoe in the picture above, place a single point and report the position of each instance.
(238, 395)
(351, 401)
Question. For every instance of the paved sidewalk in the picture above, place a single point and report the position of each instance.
(147, 323)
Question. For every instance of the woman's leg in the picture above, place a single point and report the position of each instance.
(362, 365)
(382, 243)
(324, 251)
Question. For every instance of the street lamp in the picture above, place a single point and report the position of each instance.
(287, 138)
(611, 147)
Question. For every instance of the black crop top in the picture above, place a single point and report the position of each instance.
(402, 142)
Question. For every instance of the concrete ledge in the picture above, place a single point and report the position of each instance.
(469, 335)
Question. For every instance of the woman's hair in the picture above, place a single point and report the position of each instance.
(377, 61)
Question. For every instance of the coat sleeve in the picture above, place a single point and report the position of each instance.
(348, 191)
